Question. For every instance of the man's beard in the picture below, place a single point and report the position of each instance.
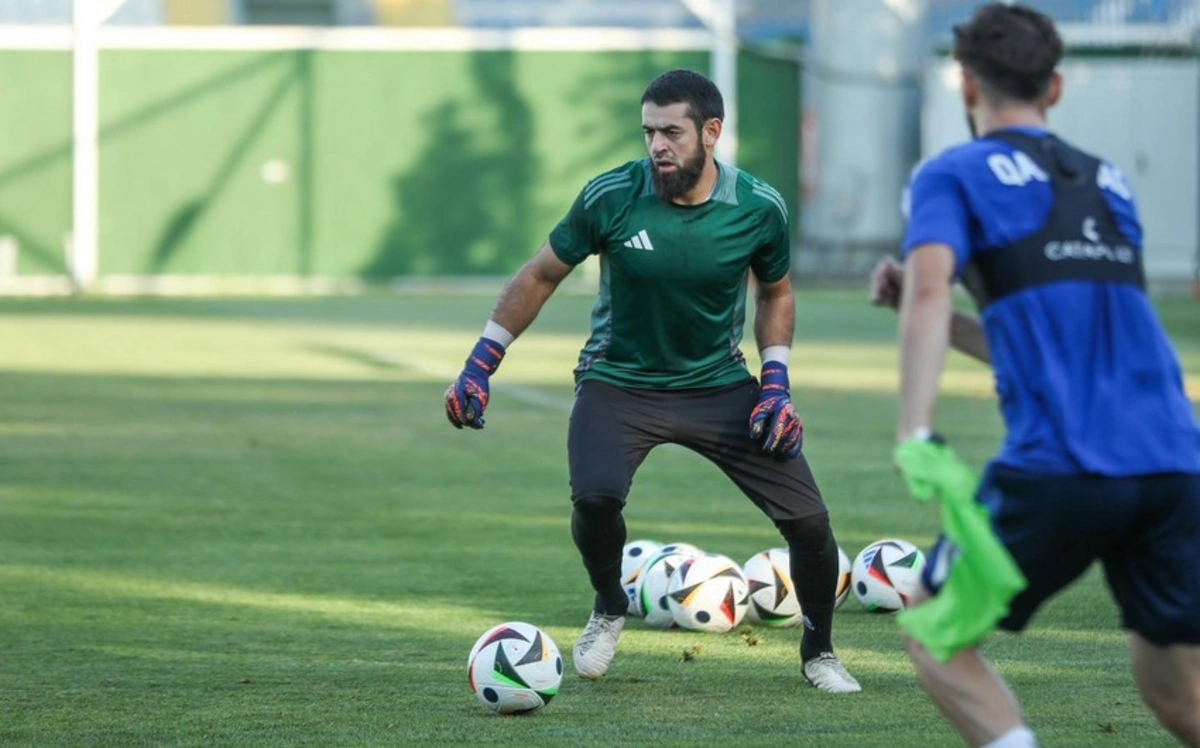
(678, 183)
(971, 126)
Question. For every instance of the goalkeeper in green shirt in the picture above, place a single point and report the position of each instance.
(678, 236)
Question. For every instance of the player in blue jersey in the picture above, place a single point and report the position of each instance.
(1101, 460)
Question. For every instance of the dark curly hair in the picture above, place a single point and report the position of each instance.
(687, 87)
(1013, 48)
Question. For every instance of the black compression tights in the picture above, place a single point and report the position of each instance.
(814, 567)
(598, 528)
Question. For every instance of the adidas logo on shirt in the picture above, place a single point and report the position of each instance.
(640, 240)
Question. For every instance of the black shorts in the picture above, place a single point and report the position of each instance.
(613, 429)
(1144, 530)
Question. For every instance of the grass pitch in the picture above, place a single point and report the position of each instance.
(246, 522)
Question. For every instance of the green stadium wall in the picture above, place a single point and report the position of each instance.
(35, 157)
(343, 164)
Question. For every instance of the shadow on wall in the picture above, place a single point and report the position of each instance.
(617, 132)
(468, 203)
(183, 221)
(462, 208)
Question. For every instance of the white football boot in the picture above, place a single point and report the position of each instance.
(827, 673)
(597, 645)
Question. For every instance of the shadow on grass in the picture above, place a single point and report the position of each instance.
(441, 312)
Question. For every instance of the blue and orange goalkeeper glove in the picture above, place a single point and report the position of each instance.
(774, 421)
(467, 396)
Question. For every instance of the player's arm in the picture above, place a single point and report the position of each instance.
(574, 238)
(966, 331)
(520, 301)
(966, 336)
(528, 290)
(774, 314)
(937, 242)
(774, 421)
(926, 308)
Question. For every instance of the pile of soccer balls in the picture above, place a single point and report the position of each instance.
(515, 668)
(679, 585)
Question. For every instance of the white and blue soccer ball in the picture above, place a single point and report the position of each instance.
(651, 590)
(708, 593)
(515, 668)
(680, 547)
(772, 596)
(886, 574)
(634, 556)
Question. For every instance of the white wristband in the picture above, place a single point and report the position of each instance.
(495, 332)
(921, 432)
(778, 353)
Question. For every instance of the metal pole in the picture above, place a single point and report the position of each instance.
(83, 258)
(725, 75)
(82, 254)
(720, 16)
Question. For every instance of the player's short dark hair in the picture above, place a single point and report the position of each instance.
(1013, 48)
(687, 87)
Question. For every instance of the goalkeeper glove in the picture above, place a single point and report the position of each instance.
(774, 421)
(467, 396)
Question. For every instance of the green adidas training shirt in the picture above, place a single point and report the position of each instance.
(673, 278)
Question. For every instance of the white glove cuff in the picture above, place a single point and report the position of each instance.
(495, 332)
(778, 353)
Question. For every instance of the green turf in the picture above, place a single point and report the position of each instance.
(246, 522)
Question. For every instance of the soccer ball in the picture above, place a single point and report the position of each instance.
(708, 593)
(688, 548)
(515, 668)
(886, 574)
(843, 581)
(633, 559)
(651, 590)
(773, 600)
